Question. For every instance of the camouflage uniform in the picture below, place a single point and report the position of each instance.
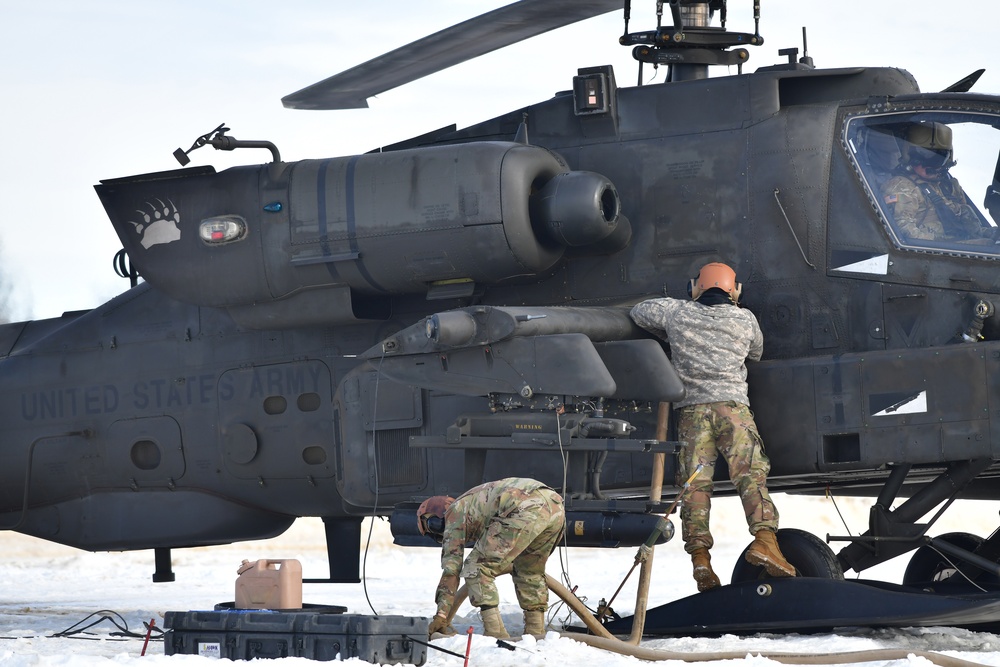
(515, 523)
(911, 200)
(709, 345)
(725, 428)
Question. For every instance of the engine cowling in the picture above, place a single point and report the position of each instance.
(380, 223)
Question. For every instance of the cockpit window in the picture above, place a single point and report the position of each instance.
(934, 177)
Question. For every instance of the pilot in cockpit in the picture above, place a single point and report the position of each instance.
(924, 200)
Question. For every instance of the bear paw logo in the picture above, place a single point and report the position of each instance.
(160, 224)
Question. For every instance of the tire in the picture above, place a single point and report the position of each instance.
(927, 566)
(810, 555)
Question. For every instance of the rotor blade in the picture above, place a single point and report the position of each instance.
(485, 33)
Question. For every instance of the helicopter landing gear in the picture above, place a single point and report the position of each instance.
(929, 567)
(809, 554)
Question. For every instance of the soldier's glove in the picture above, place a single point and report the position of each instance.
(440, 624)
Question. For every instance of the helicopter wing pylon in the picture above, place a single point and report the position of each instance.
(470, 39)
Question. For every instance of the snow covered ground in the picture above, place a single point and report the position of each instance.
(46, 588)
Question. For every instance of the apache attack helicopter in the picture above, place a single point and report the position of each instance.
(342, 337)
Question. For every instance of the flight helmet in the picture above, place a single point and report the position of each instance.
(929, 145)
(719, 276)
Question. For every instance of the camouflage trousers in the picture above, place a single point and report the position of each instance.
(725, 428)
(520, 544)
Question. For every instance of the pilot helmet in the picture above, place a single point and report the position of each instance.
(430, 516)
(929, 145)
(719, 276)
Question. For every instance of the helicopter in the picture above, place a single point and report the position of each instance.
(339, 337)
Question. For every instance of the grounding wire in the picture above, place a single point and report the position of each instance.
(957, 568)
(829, 494)
(371, 521)
(564, 547)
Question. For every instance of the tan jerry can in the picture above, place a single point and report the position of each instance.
(269, 584)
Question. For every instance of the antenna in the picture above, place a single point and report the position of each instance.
(805, 59)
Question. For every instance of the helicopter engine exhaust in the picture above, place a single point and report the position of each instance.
(427, 220)
(578, 208)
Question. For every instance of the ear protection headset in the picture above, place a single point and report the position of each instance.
(719, 276)
(434, 526)
(430, 516)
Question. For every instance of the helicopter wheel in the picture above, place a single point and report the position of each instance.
(810, 555)
(928, 566)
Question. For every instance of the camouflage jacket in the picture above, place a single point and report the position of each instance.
(468, 517)
(708, 346)
(912, 202)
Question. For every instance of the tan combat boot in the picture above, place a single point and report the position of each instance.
(492, 623)
(534, 623)
(703, 573)
(765, 552)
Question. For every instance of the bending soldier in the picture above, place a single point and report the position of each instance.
(515, 524)
(710, 338)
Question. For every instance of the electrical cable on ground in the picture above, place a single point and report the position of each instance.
(113, 617)
(104, 615)
(433, 646)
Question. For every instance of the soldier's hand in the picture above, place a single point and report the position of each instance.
(439, 624)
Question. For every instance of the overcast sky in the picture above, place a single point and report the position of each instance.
(109, 88)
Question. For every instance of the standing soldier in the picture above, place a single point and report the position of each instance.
(515, 524)
(710, 339)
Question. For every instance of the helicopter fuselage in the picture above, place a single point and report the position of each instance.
(264, 370)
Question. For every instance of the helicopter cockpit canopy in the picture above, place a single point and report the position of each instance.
(933, 176)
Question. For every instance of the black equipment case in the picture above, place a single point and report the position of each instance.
(247, 634)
